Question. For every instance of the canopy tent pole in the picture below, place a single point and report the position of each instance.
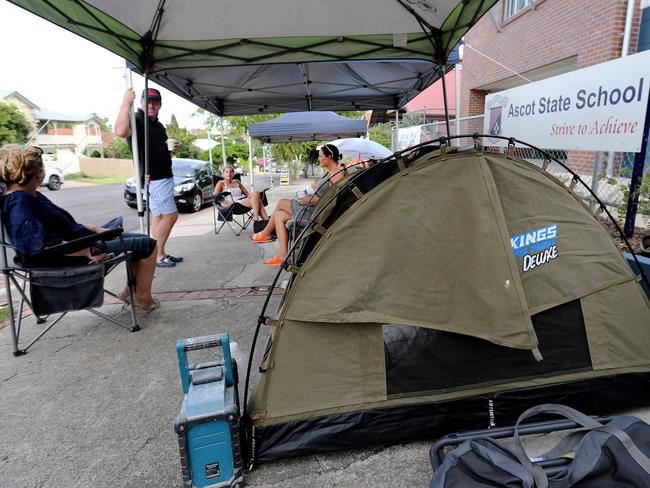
(223, 144)
(250, 161)
(210, 147)
(457, 89)
(146, 148)
(395, 139)
(136, 155)
(441, 66)
(636, 179)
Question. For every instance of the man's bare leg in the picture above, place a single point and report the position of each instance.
(161, 227)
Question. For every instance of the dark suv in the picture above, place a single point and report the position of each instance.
(194, 182)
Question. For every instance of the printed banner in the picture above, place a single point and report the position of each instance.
(408, 136)
(599, 108)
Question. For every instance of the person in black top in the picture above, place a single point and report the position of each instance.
(161, 185)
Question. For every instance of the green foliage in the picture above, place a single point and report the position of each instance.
(14, 126)
(184, 140)
(104, 124)
(381, 134)
(236, 154)
(238, 124)
(643, 191)
(119, 149)
(295, 155)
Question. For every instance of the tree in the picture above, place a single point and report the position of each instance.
(184, 140)
(381, 133)
(103, 123)
(120, 148)
(239, 123)
(14, 126)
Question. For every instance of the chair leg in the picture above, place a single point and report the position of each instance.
(224, 220)
(130, 283)
(12, 319)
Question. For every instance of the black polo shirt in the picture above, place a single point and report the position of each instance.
(160, 161)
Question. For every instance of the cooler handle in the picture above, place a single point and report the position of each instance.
(204, 342)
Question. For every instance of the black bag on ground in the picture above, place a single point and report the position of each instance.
(608, 455)
(66, 289)
(259, 225)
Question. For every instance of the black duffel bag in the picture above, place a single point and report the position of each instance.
(608, 455)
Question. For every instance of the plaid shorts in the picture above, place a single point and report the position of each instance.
(161, 197)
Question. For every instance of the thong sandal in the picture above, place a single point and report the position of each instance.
(153, 306)
(260, 238)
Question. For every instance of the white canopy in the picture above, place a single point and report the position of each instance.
(272, 56)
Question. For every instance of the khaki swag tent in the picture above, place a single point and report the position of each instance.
(446, 291)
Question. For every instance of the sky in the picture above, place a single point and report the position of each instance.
(62, 72)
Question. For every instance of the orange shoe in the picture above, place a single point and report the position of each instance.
(260, 238)
(274, 261)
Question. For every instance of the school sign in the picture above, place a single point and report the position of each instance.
(602, 107)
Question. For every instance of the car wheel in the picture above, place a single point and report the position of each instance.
(133, 205)
(54, 183)
(197, 202)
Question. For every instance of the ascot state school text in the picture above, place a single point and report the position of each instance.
(584, 99)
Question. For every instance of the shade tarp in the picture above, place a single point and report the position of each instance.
(307, 126)
(255, 56)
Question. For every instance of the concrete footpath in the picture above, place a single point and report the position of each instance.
(92, 404)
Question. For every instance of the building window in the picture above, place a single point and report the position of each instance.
(514, 6)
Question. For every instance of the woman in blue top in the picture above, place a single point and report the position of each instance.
(33, 222)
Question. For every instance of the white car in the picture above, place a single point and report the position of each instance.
(53, 178)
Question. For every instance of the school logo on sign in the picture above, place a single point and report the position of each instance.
(495, 107)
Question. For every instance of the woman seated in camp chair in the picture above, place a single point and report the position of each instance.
(286, 209)
(33, 223)
(239, 194)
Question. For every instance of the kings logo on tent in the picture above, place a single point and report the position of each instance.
(537, 247)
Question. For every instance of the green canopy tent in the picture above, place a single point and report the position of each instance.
(441, 291)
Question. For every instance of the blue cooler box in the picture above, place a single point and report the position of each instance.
(208, 424)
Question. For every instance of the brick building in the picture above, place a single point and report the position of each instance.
(539, 39)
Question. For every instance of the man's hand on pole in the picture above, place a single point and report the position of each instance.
(123, 123)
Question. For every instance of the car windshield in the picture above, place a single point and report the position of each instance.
(183, 169)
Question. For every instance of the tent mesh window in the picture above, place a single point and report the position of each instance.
(415, 356)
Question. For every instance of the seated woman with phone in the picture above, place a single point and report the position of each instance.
(286, 209)
(239, 194)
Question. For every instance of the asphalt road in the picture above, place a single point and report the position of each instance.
(98, 204)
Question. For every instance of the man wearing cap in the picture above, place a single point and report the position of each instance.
(161, 185)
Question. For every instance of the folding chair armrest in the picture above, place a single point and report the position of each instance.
(220, 196)
(81, 243)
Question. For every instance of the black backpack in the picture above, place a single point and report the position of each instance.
(611, 455)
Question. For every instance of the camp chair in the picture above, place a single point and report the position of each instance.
(59, 283)
(237, 216)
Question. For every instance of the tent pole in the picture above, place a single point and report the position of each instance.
(146, 148)
(395, 138)
(636, 179)
(250, 161)
(136, 156)
(457, 88)
(210, 147)
(441, 67)
(223, 144)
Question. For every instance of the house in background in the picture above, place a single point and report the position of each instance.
(520, 40)
(63, 137)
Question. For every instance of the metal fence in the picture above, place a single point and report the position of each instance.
(609, 177)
